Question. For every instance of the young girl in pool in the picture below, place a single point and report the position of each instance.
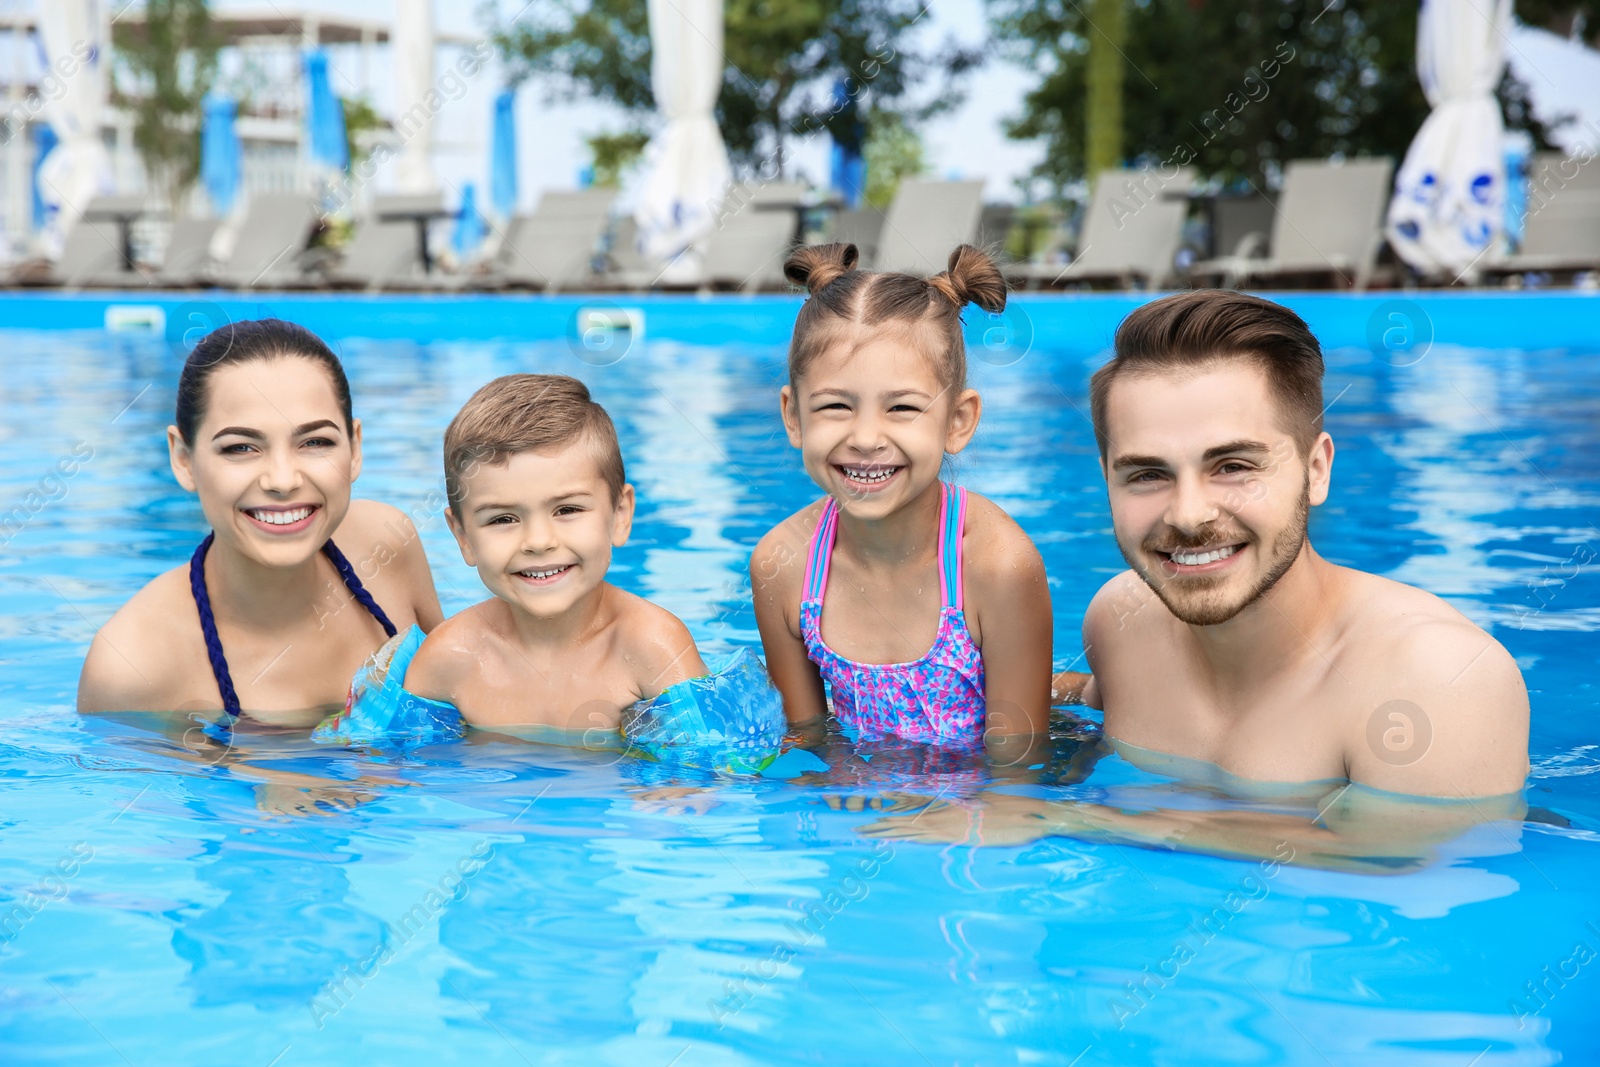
(270, 618)
(923, 607)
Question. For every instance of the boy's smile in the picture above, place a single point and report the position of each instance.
(540, 527)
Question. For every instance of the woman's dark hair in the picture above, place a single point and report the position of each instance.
(252, 340)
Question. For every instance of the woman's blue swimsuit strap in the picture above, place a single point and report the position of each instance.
(208, 622)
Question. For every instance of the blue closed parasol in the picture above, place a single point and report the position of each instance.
(469, 224)
(324, 115)
(503, 155)
(220, 153)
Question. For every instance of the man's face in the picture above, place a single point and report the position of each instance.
(1209, 494)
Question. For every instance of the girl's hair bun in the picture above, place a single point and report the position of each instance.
(972, 277)
(815, 267)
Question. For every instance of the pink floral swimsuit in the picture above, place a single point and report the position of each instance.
(938, 698)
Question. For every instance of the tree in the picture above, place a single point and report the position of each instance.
(171, 62)
(1234, 87)
(894, 153)
(784, 57)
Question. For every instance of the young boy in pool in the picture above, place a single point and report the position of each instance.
(538, 500)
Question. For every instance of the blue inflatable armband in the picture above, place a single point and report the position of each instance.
(731, 720)
(380, 713)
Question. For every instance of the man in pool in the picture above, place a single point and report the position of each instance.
(1232, 652)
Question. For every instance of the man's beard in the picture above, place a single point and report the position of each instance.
(1201, 604)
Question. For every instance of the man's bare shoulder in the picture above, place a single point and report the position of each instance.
(1443, 709)
(1125, 609)
(1409, 629)
(143, 658)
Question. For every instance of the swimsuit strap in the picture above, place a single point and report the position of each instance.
(952, 523)
(820, 552)
(208, 628)
(357, 590)
(208, 621)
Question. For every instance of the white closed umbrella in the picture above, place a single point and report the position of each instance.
(78, 168)
(1449, 202)
(413, 46)
(688, 164)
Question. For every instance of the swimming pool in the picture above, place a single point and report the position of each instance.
(489, 902)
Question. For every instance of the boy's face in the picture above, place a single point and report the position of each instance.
(540, 527)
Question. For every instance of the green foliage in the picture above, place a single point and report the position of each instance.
(170, 62)
(783, 59)
(614, 153)
(1235, 87)
(1105, 73)
(359, 117)
(893, 153)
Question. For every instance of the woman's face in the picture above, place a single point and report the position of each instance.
(271, 459)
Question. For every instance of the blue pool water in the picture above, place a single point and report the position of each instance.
(496, 903)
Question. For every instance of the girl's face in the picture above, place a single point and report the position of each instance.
(271, 459)
(873, 423)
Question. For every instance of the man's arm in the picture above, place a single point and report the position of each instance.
(1353, 829)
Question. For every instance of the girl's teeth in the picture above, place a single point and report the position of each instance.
(1195, 559)
(281, 518)
(544, 574)
(876, 475)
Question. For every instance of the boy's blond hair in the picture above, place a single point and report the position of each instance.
(528, 413)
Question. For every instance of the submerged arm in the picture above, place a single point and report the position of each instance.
(1354, 829)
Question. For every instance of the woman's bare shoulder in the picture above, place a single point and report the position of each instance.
(146, 655)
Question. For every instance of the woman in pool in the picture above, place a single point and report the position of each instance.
(933, 601)
(270, 619)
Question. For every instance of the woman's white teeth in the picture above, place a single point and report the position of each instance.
(1195, 559)
(551, 573)
(281, 518)
(870, 474)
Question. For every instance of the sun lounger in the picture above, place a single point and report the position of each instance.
(386, 249)
(862, 227)
(95, 251)
(1329, 224)
(1561, 231)
(747, 251)
(926, 222)
(187, 260)
(268, 243)
(553, 248)
(1130, 234)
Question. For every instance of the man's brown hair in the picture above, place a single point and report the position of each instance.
(528, 413)
(1193, 330)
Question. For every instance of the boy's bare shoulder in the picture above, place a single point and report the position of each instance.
(655, 641)
(453, 651)
(143, 658)
(780, 555)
